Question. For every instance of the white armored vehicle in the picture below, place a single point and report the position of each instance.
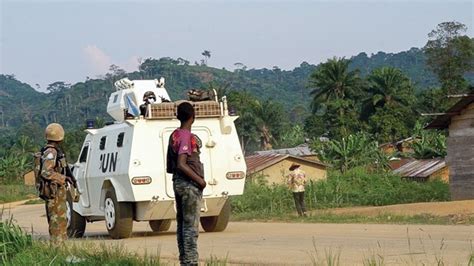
(121, 170)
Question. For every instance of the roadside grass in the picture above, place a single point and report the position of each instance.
(15, 192)
(327, 217)
(357, 187)
(34, 201)
(17, 247)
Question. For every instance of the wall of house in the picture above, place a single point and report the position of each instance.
(442, 174)
(277, 173)
(460, 158)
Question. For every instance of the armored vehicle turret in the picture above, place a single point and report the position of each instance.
(121, 170)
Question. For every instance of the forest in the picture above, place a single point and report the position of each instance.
(343, 107)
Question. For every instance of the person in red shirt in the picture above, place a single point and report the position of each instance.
(188, 183)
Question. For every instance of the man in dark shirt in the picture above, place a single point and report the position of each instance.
(188, 183)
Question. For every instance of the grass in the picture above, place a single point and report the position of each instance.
(17, 247)
(357, 187)
(34, 201)
(327, 217)
(16, 192)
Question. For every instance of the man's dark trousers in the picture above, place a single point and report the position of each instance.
(188, 207)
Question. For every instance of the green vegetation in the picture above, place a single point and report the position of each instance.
(17, 247)
(356, 187)
(16, 192)
(381, 94)
(355, 150)
(325, 216)
(354, 103)
(450, 55)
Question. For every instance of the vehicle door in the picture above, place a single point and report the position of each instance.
(80, 171)
(203, 133)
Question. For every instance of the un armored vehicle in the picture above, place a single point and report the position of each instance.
(121, 169)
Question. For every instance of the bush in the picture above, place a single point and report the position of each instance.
(356, 187)
(16, 191)
(361, 188)
(13, 240)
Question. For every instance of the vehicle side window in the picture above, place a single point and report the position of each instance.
(84, 152)
(120, 139)
(102, 142)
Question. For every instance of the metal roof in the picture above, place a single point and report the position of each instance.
(421, 168)
(301, 150)
(256, 163)
(442, 121)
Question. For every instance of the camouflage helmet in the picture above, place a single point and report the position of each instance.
(54, 132)
(149, 94)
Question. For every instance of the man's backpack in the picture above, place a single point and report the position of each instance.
(171, 157)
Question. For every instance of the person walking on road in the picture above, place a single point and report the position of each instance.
(188, 183)
(296, 182)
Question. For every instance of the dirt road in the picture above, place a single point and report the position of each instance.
(290, 243)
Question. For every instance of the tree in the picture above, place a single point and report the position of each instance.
(207, 55)
(390, 87)
(270, 122)
(332, 80)
(335, 89)
(388, 107)
(260, 124)
(450, 55)
(351, 151)
(115, 71)
(58, 86)
(428, 144)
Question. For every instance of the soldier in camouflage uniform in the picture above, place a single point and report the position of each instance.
(53, 163)
(188, 183)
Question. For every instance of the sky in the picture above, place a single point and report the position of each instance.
(46, 41)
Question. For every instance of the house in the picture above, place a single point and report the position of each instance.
(403, 146)
(421, 170)
(459, 120)
(302, 150)
(274, 167)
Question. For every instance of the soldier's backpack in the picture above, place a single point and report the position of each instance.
(46, 189)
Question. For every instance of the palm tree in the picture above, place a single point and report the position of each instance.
(269, 118)
(332, 80)
(389, 87)
(207, 55)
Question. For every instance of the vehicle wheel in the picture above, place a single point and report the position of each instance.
(76, 223)
(217, 223)
(118, 216)
(160, 225)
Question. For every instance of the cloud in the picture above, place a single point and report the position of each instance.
(99, 61)
(132, 63)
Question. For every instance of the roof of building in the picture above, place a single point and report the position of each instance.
(256, 163)
(396, 143)
(301, 150)
(442, 121)
(420, 168)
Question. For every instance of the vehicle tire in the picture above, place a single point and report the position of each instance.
(76, 223)
(118, 216)
(217, 223)
(160, 225)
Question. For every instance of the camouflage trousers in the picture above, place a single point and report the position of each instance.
(56, 214)
(188, 208)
